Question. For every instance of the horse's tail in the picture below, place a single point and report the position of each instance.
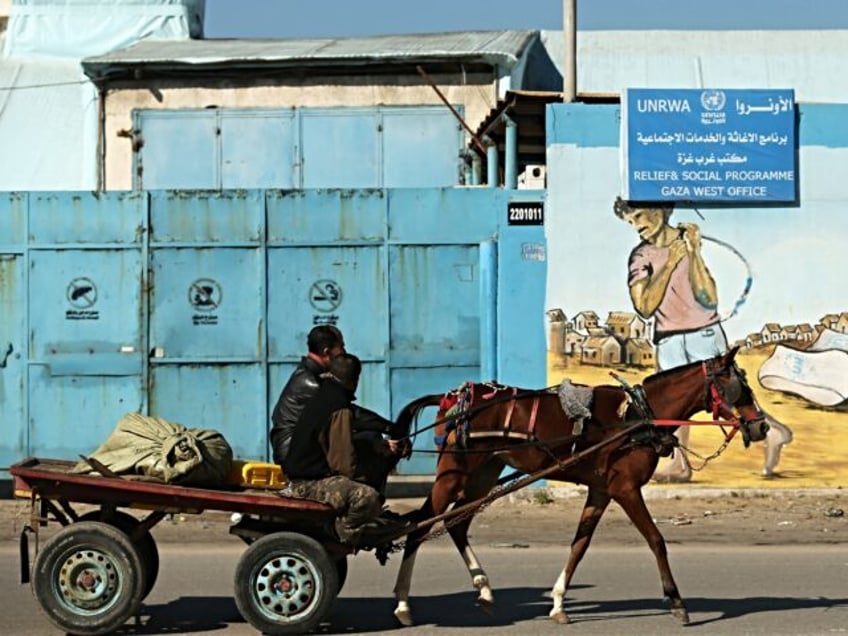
(409, 414)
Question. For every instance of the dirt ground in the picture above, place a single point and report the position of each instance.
(549, 516)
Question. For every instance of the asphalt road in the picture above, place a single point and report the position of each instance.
(775, 590)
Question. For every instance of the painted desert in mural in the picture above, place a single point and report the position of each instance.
(793, 369)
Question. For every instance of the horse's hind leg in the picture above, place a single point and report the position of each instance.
(593, 510)
(634, 505)
(403, 582)
(478, 487)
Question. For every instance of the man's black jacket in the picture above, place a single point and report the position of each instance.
(302, 385)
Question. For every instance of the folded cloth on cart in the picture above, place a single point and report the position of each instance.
(170, 452)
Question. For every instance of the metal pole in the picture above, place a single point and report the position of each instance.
(445, 101)
(492, 163)
(511, 154)
(569, 62)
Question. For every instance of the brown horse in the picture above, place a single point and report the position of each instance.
(529, 431)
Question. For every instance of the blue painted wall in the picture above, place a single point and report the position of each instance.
(796, 246)
(793, 252)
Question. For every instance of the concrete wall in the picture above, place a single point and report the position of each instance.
(794, 253)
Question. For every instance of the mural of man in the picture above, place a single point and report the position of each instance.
(670, 282)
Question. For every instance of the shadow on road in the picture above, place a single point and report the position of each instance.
(185, 615)
(194, 614)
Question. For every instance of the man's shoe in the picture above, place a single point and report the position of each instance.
(390, 515)
(382, 531)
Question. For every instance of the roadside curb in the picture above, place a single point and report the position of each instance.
(407, 488)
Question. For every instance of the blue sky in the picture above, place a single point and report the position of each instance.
(329, 18)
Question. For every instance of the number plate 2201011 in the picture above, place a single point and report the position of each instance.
(526, 213)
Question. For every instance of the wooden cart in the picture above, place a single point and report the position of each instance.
(92, 575)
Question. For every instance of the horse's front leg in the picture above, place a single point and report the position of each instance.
(593, 510)
(446, 489)
(479, 579)
(479, 485)
(634, 505)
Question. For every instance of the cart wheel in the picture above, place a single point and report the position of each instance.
(285, 583)
(341, 572)
(87, 578)
(145, 544)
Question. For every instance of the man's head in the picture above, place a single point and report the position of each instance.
(648, 218)
(325, 342)
(346, 368)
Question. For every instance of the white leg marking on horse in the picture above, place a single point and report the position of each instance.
(478, 577)
(403, 615)
(402, 587)
(558, 594)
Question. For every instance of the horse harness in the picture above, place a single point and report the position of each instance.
(459, 405)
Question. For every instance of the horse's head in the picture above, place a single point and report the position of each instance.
(728, 395)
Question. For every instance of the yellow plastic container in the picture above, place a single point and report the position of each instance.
(256, 474)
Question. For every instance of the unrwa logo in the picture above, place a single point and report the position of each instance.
(713, 100)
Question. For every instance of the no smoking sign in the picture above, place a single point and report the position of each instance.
(325, 295)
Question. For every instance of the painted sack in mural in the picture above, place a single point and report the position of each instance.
(818, 373)
(157, 448)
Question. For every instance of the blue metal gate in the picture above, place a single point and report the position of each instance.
(85, 318)
(195, 306)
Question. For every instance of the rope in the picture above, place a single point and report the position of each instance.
(545, 444)
(749, 279)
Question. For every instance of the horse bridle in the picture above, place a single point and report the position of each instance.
(720, 398)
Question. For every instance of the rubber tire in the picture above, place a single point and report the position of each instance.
(83, 541)
(295, 553)
(341, 572)
(146, 544)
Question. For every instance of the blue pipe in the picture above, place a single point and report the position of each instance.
(488, 311)
(476, 170)
(511, 154)
(492, 163)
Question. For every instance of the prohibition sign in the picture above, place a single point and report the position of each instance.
(82, 293)
(325, 295)
(204, 294)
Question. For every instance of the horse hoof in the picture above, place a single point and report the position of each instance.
(681, 614)
(404, 617)
(486, 604)
(561, 618)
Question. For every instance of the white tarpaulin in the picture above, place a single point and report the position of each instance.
(48, 107)
(79, 28)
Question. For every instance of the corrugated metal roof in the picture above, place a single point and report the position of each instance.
(811, 62)
(495, 47)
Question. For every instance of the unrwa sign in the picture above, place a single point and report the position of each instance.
(708, 145)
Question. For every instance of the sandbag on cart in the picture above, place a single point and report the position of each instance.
(168, 451)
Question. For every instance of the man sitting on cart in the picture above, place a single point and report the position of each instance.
(325, 342)
(321, 461)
